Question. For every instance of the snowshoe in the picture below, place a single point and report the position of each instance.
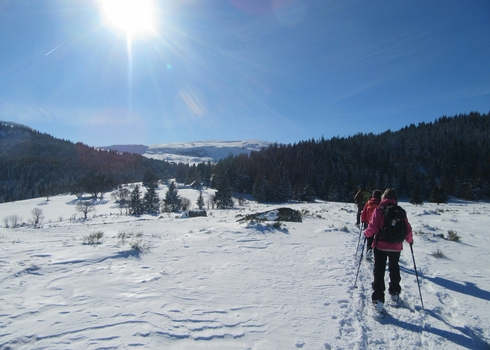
(369, 255)
(396, 301)
(379, 308)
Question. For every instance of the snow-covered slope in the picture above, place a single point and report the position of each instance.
(3, 122)
(197, 152)
(193, 152)
(215, 283)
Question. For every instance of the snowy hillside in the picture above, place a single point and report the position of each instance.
(215, 283)
(197, 152)
(193, 152)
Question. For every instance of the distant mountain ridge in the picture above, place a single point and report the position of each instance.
(17, 126)
(193, 152)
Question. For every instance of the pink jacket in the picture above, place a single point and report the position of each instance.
(377, 220)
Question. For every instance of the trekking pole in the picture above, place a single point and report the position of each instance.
(359, 239)
(417, 275)
(360, 261)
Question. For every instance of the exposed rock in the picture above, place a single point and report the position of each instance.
(193, 213)
(280, 214)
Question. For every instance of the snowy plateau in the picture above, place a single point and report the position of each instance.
(193, 152)
(218, 283)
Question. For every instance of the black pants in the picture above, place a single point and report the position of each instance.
(358, 215)
(380, 258)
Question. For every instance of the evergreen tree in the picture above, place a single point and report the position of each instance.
(200, 201)
(172, 201)
(182, 173)
(416, 197)
(150, 179)
(151, 201)
(304, 193)
(194, 176)
(135, 203)
(223, 197)
(437, 195)
(260, 189)
(221, 182)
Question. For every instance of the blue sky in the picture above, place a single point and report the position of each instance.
(274, 70)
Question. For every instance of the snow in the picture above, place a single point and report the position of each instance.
(193, 153)
(202, 151)
(215, 283)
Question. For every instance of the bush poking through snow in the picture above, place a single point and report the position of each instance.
(453, 236)
(123, 236)
(438, 254)
(277, 224)
(140, 246)
(135, 241)
(93, 238)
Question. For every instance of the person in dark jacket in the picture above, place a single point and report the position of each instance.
(359, 200)
(384, 251)
(367, 212)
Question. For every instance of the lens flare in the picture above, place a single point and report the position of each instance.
(134, 17)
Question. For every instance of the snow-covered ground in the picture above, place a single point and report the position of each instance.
(215, 283)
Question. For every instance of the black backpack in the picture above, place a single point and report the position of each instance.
(394, 229)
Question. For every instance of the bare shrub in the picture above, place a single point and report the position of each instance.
(140, 246)
(85, 207)
(124, 236)
(15, 220)
(438, 254)
(37, 217)
(210, 203)
(453, 236)
(135, 241)
(93, 238)
(185, 203)
(277, 224)
(121, 196)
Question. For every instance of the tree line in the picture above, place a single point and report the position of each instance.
(35, 164)
(430, 161)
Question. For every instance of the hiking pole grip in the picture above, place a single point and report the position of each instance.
(417, 275)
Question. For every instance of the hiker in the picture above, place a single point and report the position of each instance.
(359, 200)
(384, 250)
(366, 215)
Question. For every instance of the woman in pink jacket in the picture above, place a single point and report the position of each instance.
(384, 251)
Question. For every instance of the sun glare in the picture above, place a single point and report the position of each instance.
(134, 17)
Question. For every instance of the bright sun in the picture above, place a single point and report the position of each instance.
(131, 16)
